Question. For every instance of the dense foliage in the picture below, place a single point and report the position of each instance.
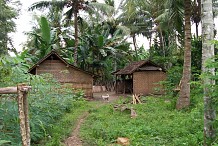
(7, 15)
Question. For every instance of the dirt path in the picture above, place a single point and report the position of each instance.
(74, 139)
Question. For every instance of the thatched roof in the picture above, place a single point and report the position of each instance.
(54, 54)
(143, 65)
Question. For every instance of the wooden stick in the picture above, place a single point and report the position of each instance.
(137, 98)
(13, 90)
(133, 99)
(8, 90)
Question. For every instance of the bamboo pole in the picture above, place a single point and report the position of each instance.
(8, 90)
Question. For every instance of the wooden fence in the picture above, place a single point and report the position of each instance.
(21, 90)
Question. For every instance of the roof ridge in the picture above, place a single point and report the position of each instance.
(133, 66)
(61, 58)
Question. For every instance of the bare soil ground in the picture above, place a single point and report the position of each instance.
(74, 139)
(112, 96)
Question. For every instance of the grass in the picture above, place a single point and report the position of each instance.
(63, 128)
(157, 123)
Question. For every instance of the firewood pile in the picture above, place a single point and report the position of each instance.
(135, 99)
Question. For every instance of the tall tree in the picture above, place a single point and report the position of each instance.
(7, 24)
(137, 19)
(73, 9)
(184, 96)
(208, 53)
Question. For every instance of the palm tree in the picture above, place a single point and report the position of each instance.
(162, 19)
(184, 96)
(208, 53)
(106, 15)
(74, 7)
(137, 20)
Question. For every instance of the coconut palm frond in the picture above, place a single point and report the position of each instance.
(125, 30)
(69, 14)
(104, 8)
(46, 4)
(93, 13)
(163, 16)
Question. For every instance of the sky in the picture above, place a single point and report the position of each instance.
(24, 25)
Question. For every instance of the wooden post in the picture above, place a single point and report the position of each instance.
(21, 90)
(26, 113)
(116, 84)
(21, 115)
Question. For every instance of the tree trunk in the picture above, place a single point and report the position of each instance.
(184, 96)
(196, 24)
(135, 46)
(208, 53)
(76, 33)
(199, 16)
(162, 42)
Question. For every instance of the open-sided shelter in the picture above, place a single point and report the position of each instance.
(140, 77)
(64, 72)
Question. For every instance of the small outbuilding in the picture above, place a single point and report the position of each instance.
(64, 72)
(140, 77)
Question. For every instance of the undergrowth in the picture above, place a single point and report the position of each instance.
(157, 123)
(52, 110)
(63, 128)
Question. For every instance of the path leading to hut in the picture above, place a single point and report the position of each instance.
(74, 139)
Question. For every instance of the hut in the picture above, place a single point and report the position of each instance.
(140, 77)
(64, 72)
